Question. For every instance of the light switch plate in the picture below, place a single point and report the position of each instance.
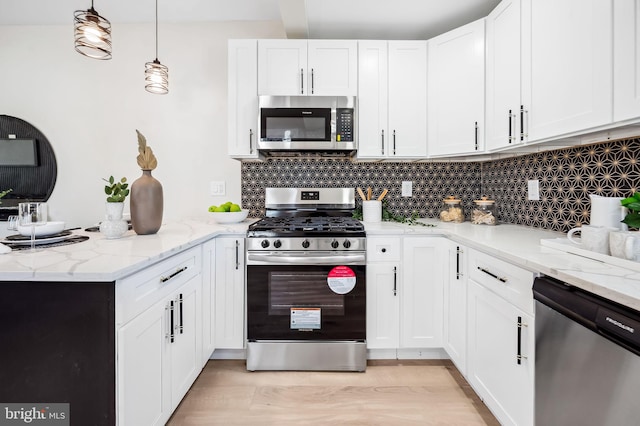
(217, 187)
(407, 188)
(533, 190)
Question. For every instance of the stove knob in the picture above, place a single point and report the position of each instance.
(306, 244)
(277, 243)
(346, 244)
(264, 243)
(335, 244)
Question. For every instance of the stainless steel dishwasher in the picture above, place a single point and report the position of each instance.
(587, 358)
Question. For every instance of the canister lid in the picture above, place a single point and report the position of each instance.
(452, 200)
(484, 201)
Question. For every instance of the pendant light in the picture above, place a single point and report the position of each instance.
(92, 33)
(156, 75)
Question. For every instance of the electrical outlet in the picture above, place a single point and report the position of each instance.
(217, 187)
(533, 190)
(407, 188)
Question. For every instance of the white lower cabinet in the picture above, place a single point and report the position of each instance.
(404, 296)
(455, 306)
(208, 299)
(501, 338)
(229, 312)
(159, 347)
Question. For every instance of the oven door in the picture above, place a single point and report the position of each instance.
(306, 302)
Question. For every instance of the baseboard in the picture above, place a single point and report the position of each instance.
(407, 353)
(229, 354)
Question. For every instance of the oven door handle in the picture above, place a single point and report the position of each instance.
(291, 259)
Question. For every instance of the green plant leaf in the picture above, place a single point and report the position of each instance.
(634, 206)
(637, 196)
(628, 200)
(633, 220)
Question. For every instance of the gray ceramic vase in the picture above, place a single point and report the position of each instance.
(146, 204)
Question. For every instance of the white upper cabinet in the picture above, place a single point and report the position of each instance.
(504, 114)
(456, 91)
(567, 66)
(407, 99)
(626, 59)
(242, 98)
(372, 99)
(307, 67)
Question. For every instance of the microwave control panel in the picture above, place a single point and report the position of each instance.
(344, 124)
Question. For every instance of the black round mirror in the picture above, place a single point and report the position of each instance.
(27, 164)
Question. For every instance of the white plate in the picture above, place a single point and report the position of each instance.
(23, 240)
(49, 228)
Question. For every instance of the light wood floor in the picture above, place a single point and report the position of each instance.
(388, 393)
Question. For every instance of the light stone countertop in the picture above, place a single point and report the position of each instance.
(100, 260)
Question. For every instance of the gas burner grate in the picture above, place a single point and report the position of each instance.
(305, 226)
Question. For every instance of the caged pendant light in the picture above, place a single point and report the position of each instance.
(92, 34)
(156, 75)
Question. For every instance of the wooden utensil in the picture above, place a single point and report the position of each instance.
(383, 194)
(361, 193)
(369, 193)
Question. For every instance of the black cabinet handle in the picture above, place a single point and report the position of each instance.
(395, 280)
(476, 135)
(178, 271)
(382, 138)
(237, 255)
(394, 142)
(312, 82)
(170, 334)
(458, 274)
(510, 128)
(250, 141)
(181, 326)
(486, 271)
(519, 356)
(302, 81)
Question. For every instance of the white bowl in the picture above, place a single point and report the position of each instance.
(49, 228)
(230, 217)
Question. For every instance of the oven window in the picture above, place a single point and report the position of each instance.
(302, 290)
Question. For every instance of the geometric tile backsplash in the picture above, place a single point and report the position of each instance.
(567, 177)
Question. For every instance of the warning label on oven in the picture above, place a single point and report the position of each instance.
(305, 318)
(341, 279)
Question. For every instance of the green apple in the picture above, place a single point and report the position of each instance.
(234, 208)
(212, 208)
(220, 209)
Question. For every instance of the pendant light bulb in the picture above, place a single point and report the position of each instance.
(92, 34)
(156, 75)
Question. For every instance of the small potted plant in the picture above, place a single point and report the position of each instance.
(5, 192)
(633, 204)
(114, 226)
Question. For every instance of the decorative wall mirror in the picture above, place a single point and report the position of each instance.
(27, 164)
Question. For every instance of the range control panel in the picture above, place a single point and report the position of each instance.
(310, 195)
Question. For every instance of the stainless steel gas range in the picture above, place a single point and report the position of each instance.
(306, 283)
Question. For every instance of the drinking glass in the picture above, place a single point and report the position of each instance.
(12, 222)
(32, 214)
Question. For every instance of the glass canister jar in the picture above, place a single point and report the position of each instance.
(484, 212)
(452, 211)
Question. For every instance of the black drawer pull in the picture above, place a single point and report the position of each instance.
(504, 280)
(178, 271)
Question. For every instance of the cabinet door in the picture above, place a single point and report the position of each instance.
(423, 272)
(503, 56)
(144, 396)
(456, 91)
(626, 59)
(242, 98)
(373, 136)
(493, 369)
(455, 306)
(408, 99)
(567, 73)
(186, 349)
(282, 67)
(229, 293)
(332, 67)
(382, 305)
(208, 299)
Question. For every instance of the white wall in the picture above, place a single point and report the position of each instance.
(89, 110)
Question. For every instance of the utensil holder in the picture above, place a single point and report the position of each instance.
(372, 211)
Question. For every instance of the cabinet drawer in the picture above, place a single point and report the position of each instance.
(506, 280)
(139, 291)
(383, 249)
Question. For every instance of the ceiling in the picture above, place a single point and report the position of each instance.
(337, 19)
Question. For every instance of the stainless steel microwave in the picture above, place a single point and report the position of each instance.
(307, 123)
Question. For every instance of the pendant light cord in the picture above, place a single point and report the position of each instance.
(156, 29)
